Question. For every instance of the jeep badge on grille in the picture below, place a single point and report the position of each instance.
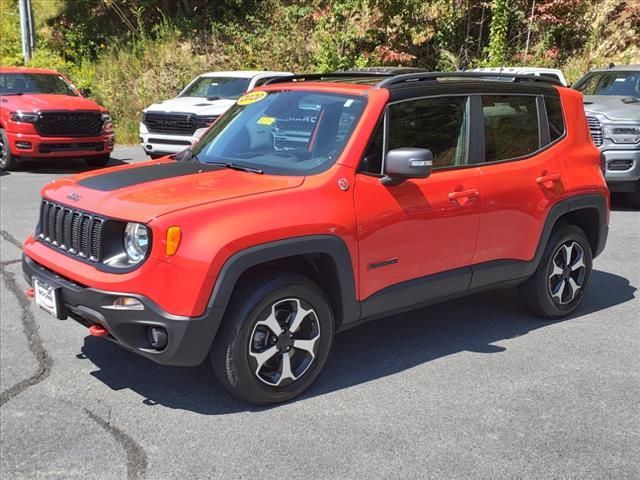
(73, 196)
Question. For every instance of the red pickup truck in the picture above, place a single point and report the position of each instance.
(43, 116)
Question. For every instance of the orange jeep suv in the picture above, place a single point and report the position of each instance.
(318, 202)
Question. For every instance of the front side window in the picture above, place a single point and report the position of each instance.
(30, 83)
(215, 88)
(439, 124)
(284, 132)
(617, 83)
(510, 126)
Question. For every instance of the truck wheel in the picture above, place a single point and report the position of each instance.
(557, 286)
(274, 340)
(634, 197)
(98, 160)
(7, 160)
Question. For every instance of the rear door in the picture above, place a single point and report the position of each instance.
(419, 227)
(522, 175)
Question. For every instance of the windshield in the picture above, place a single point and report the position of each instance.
(624, 84)
(217, 87)
(19, 83)
(289, 133)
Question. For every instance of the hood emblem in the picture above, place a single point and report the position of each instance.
(73, 196)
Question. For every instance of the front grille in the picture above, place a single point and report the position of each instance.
(69, 124)
(596, 130)
(70, 147)
(73, 231)
(176, 123)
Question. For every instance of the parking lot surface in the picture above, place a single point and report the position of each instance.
(473, 388)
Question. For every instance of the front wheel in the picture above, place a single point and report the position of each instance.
(7, 160)
(557, 286)
(274, 340)
(98, 160)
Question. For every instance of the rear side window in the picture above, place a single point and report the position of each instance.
(439, 124)
(510, 126)
(554, 117)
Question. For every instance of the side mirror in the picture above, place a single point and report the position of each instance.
(404, 163)
(85, 92)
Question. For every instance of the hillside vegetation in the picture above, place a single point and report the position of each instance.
(134, 52)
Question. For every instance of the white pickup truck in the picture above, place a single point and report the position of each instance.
(172, 125)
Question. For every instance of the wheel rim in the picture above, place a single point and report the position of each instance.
(568, 272)
(3, 152)
(283, 345)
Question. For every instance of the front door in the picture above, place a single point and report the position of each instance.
(410, 232)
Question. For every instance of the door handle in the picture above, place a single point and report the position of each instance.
(547, 181)
(464, 197)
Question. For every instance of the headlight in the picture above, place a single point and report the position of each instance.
(106, 117)
(136, 242)
(107, 124)
(622, 133)
(23, 117)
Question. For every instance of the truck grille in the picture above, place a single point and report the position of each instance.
(73, 231)
(69, 124)
(175, 123)
(596, 130)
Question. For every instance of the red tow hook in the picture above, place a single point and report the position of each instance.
(98, 331)
(29, 292)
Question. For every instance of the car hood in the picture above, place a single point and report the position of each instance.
(40, 102)
(613, 107)
(147, 190)
(197, 105)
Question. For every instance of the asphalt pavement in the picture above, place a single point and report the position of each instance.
(474, 388)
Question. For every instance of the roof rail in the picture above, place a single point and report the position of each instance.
(307, 77)
(434, 76)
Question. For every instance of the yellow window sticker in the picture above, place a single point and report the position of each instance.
(266, 121)
(251, 97)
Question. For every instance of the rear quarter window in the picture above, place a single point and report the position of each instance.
(555, 118)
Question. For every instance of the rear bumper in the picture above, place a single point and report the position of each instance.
(189, 338)
(622, 169)
(35, 146)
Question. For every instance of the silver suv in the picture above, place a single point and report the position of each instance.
(612, 105)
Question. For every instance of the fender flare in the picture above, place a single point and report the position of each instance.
(330, 245)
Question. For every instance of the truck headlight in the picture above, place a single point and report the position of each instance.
(622, 133)
(107, 123)
(136, 242)
(24, 117)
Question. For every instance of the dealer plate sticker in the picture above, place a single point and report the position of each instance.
(45, 297)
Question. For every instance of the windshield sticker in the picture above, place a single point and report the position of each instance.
(251, 97)
(266, 121)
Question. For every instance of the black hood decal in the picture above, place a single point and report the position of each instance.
(149, 173)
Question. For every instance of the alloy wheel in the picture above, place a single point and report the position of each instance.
(568, 273)
(3, 152)
(283, 345)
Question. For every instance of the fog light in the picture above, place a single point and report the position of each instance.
(23, 145)
(157, 337)
(126, 303)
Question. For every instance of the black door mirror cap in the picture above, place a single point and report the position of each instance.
(404, 163)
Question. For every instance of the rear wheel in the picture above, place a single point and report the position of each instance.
(98, 160)
(557, 286)
(7, 160)
(274, 340)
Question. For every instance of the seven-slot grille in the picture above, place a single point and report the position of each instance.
(76, 232)
(175, 123)
(596, 130)
(69, 124)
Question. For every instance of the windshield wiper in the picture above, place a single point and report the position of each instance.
(235, 166)
(6, 94)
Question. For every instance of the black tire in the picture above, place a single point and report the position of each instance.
(538, 291)
(7, 160)
(98, 160)
(634, 197)
(243, 333)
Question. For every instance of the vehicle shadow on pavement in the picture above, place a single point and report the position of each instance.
(64, 165)
(360, 355)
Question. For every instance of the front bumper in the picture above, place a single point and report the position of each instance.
(165, 144)
(189, 338)
(28, 145)
(622, 169)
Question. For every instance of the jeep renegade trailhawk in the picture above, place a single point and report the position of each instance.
(321, 201)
